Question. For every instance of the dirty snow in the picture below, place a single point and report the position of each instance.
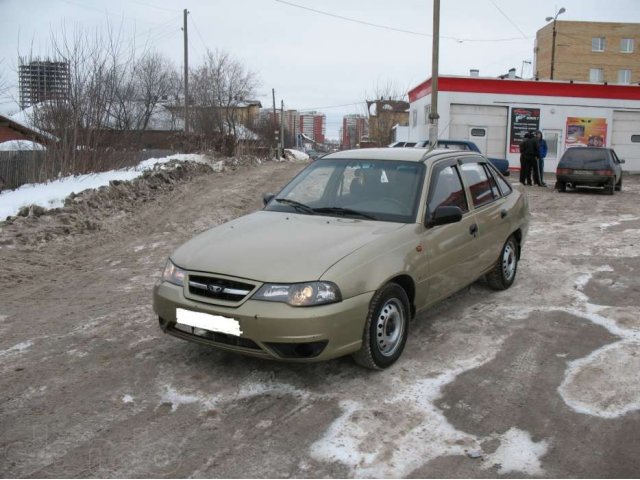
(295, 155)
(127, 398)
(17, 348)
(52, 194)
(518, 453)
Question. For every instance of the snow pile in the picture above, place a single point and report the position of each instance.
(20, 145)
(52, 194)
(295, 155)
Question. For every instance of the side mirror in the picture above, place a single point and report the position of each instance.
(621, 160)
(444, 215)
(267, 197)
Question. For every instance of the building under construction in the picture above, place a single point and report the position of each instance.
(41, 80)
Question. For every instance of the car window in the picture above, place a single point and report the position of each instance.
(446, 190)
(584, 157)
(311, 187)
(505, 188)
(479, 185)
(454, 146)
(492, 182)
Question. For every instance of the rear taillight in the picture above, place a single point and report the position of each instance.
(604, 173)
(564, 171)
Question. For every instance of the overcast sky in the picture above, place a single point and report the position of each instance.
(313, 60)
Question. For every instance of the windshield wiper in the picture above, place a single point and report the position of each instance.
(297, 205)
(343, 211)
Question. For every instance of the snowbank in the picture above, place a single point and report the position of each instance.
(20, 145)
(295, 155)
(52, 194)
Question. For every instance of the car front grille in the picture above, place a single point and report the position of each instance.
(219, 288)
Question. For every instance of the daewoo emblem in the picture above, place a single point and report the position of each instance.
(214, 288)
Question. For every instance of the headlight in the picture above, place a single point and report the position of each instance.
(173, 274)
(300, 294)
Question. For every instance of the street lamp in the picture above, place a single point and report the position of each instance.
(553, 44)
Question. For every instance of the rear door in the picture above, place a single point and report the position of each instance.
(490, 209)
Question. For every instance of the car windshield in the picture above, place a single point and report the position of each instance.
(366, 189)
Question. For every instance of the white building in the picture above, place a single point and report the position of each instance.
(496, 113)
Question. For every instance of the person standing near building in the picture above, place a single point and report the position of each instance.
(523, 165)
(530, 155)
(542, 153)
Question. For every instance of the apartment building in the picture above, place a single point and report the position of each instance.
(313, 125)
(354, 127)
(597, 52)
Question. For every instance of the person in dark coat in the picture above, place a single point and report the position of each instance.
(530, 154)
(523, 167)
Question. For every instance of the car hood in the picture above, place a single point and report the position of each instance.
(278, 247)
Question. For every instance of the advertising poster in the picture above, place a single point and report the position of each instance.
(523, 120)
(586, 131)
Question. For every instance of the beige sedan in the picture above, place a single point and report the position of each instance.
(345, 256)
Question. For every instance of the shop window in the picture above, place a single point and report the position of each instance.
(597, 44)
(414, 114)
(635, 138)
(596, 75)
(624, 76)
(478, 132)
(626, 45)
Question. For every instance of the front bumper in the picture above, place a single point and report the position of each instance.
(270, 329)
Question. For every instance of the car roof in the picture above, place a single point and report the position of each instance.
(402, 154)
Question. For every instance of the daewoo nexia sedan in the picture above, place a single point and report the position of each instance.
(345, 256)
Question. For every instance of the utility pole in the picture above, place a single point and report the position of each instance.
(186, 73)
(433, 114)
(553, 41)
(282, 127)
(275, 121)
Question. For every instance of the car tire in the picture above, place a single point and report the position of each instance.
(619, 185)
(386, 329)
(504, 272)
(561, 186)
(610, 188)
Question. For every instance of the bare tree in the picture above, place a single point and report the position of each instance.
(219, 86)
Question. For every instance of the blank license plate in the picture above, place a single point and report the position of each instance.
(583, 172)
(205, 321)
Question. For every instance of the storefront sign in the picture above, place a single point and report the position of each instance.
(585, 131)
(523, 120)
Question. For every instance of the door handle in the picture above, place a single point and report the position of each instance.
(503, 213)
(473, 229)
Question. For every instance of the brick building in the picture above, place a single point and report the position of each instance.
(313, 125)
(595, 52)
(354, 128)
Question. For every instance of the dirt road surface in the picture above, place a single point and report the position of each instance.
(538, 381)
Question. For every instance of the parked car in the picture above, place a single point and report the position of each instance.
(345, 256)
(468, 146)
(589, 167)
(401, 144)
(313, 154)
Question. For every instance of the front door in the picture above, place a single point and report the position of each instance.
(450, 250)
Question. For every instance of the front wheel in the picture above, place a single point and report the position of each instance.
(504, 271)
(386, 329)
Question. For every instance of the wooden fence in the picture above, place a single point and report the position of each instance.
(21, 167)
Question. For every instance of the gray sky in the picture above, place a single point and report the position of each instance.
(311, 59)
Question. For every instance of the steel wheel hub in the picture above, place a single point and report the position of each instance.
(390, 326)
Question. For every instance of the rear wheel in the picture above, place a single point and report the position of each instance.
(619, 185)
(386, 329)
(610, 188)
(504, 271)
(562, 186)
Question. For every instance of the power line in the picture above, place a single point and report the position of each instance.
(193, 22)
(524, 35)
(152, 6)
(394, 29)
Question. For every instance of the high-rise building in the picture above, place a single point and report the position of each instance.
(598, 52)
(313, 125)
(41, 80)
(354, 128)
